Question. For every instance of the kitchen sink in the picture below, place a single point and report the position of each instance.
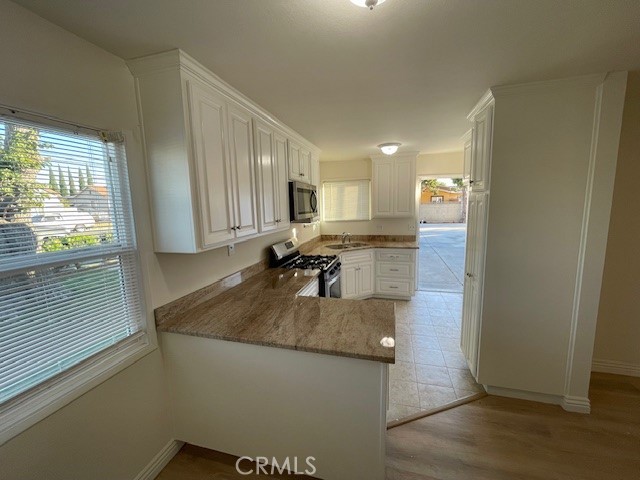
(346, 246)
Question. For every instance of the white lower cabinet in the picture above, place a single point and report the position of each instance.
(357, 275)
(395, 273)
(385, 273)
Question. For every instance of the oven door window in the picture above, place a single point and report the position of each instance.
(307, 203)
(334, 288)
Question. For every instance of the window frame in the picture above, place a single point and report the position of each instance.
(27, 408)
(346, 180)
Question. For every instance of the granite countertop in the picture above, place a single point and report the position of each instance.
(266, 310)
(320, 248)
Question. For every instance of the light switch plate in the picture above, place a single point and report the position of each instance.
(231, 249)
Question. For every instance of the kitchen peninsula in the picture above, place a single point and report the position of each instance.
(321, 392)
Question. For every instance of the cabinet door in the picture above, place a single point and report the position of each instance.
(348, 281)
(466, 175)
(382, 188)
(294, 161)
(305, 165)
(473, 283)
(481, 149)
(366, 280)
(280, 150)
(241, 153)
(267, 173)
(315, 171)
(404, 176)
(212, 166)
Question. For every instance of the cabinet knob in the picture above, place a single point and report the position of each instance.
(239, 227)
(469, 275)
(233, 228)
(302, 174)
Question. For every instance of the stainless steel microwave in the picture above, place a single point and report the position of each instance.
(303, 202)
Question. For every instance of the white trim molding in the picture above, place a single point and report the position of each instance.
(576, 404)
(570, 404)
(617, 368)
(607, 124)
(524, 395)
(157, 463)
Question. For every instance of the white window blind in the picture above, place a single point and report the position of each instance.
(346, 200)
(68, 263)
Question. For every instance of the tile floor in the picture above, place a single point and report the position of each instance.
(430, 369)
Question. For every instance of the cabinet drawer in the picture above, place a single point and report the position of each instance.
(393, 286)
(387, 255)
(395, 269)
(359, 256)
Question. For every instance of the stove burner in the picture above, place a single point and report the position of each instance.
(311, 261)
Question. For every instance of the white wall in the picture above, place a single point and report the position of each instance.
(175, 275)
(537, 242)
(114, 430)
(358, 170)
(617, 345)
(448, 164)
(433, 164)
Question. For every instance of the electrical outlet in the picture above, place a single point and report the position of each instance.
(380, 227)
(231, 249)
(412, 227)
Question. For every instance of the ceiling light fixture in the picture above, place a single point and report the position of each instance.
(367, 3)
(389, 148)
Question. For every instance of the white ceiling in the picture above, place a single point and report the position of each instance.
(347, 78)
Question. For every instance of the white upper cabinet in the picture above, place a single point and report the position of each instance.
(217, 163)
(481, 150)
(242, 165)
(382, 187)
(315, 170)
(405, 187)
(280, 152)
(467, 142)
(271, 166)
(213, 171)
(394, 186)
(299, 163)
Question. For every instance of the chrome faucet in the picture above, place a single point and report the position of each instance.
(346, 235)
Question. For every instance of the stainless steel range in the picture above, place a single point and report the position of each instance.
(286, 255)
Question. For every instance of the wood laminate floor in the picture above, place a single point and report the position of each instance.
(493, 438)
(499, 438)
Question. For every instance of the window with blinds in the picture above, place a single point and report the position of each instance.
(68, 263)
(346, 200)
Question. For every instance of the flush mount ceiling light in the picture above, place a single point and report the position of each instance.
(367, 3)
(389, 148)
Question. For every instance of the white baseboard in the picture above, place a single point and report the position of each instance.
(570, 404)
(617, 368)
(164, 456)
(576, 404)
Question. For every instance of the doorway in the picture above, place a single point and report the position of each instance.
(430, 369)
(443, 228)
